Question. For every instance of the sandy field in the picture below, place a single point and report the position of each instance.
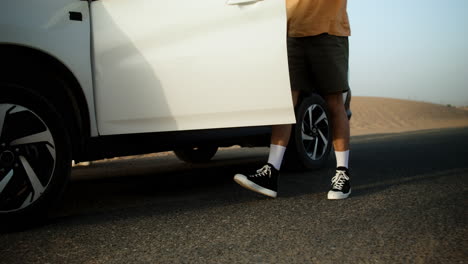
(374, 115)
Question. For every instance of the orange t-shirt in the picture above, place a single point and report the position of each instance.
(314, 17)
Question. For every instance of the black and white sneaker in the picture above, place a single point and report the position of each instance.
(340, 187)
(264, 180)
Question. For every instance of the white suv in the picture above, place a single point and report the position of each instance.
(85, 80)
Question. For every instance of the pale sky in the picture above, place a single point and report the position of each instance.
(410, 49)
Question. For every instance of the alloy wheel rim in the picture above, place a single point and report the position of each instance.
(315, 131)
(27, 157)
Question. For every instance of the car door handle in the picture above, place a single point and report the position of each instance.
(242, 2)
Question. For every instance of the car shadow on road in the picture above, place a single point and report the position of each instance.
(154, 185)
(160, 185)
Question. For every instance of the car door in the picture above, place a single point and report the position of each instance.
(171, 65)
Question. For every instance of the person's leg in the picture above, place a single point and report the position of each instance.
(265, 180)
(280, 135)
(339, 121)
(279, 140)
(328, 58)
(341, 187)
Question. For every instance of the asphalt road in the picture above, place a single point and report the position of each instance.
(408, 206)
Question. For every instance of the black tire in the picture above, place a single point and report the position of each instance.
(196, 154)
(347, 104)
(35, 153)
(309, 145)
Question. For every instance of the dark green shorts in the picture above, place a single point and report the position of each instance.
(319, 63)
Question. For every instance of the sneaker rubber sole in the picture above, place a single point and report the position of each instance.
(246, 183)
(338, 195)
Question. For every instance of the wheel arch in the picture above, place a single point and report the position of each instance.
(66, 94)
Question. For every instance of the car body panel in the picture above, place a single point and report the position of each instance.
(175, 65)
(45, 26)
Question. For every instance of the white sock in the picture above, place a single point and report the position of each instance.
(276, 155)
(342, 158)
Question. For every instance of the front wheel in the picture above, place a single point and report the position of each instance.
(35, 154)
(310, 142)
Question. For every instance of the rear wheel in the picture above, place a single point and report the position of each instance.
(310, 142)
(35, 153)
(196, 154)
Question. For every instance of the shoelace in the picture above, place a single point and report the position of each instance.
(339, 179)
(264, 171)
